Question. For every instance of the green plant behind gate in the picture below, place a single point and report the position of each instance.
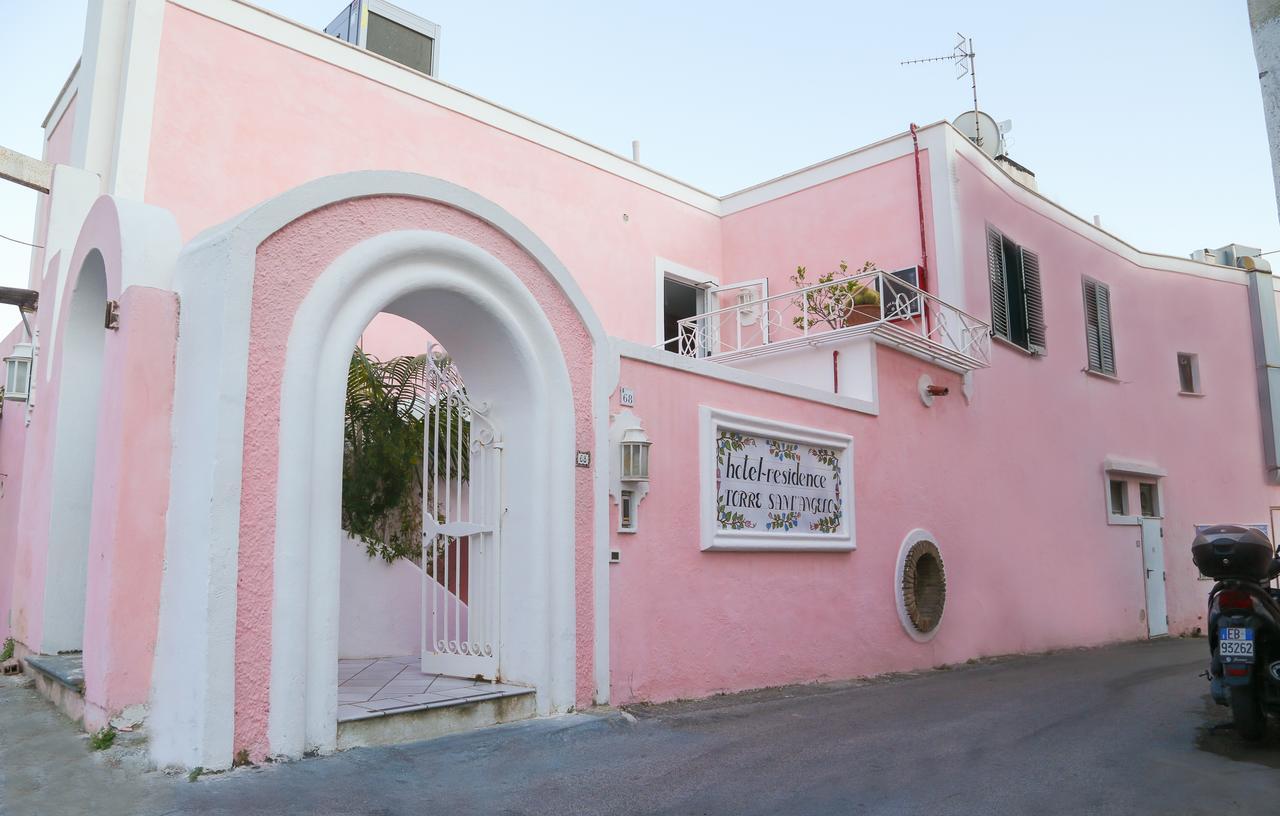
(389, 407)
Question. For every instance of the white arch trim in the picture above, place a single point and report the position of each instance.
(192, 718)
(538, 595)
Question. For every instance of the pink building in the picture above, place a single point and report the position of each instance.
(688, 474)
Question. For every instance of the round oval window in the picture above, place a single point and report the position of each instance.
(924, 586)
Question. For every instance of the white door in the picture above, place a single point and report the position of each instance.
(1153, 566)
(461, 530)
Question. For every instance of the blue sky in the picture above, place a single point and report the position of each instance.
(1145, 113)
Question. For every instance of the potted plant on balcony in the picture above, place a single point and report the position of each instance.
(840, 302)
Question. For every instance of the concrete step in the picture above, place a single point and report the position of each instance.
(60, 679)
(399, 726)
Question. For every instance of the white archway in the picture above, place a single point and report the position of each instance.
(429, 277)
(507, 352)
(75, 444)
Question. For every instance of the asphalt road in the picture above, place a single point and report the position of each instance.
(1119, 730)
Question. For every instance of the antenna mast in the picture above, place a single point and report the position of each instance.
(963, 57)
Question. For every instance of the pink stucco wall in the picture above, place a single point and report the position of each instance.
(30, 558)
(390, 336)
(1013, 490)
(1012, 485)
(13, 438)
(131, 497)
(288, 264)
(870, 215)
(224, 140)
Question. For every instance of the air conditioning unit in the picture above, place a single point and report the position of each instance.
(391, 32)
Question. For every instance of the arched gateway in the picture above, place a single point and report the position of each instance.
(272, 304)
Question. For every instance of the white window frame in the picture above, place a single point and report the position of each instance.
(664, 269)
(711, 420)
(1132, 473)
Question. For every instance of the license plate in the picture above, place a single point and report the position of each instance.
(1235, 644)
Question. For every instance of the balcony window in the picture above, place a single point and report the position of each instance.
(1017, 301)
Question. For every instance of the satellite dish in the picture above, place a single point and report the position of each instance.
(973, 124)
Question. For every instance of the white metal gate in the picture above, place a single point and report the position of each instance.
(461, 529)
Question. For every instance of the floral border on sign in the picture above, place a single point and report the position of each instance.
(784, 451)
(726, 443)
(783, 521)
(831, 523)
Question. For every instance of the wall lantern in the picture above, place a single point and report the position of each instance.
(635, 455)
(17, 375)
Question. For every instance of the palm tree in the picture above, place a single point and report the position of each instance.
(389, 408)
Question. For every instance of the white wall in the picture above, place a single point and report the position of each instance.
(380, 614)
(803, 366)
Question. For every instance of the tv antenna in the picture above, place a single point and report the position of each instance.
(962, 56)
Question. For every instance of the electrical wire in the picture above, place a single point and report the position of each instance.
(24, 243)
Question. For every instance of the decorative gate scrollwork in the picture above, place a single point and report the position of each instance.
(461, 528)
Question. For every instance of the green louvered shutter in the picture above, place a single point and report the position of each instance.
(1097, 327)
(999, 290)
(1093, 346)
(1035, 302)
(1107, 347)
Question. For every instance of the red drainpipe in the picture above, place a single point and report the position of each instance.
(835, 371)
(924, 251)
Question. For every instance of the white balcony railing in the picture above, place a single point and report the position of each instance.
(874, 303)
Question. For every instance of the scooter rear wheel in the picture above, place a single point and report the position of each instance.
(1246, 710)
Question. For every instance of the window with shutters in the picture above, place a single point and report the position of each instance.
(1017, 301)
(1097, 328)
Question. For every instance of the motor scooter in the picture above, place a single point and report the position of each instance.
(1244, 623)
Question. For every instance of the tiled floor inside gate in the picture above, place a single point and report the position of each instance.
(380, 686)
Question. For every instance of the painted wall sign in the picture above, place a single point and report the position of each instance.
(769, 485)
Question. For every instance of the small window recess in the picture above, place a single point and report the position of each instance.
(1133, 491)
(1189, 375)
(1149, 500)
(627, 512)
(1117, 497)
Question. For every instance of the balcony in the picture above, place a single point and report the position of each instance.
(877, 304)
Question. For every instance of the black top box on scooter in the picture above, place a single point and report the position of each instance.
(1232, 551)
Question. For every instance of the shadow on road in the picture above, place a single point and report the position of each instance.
(1218, 736)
